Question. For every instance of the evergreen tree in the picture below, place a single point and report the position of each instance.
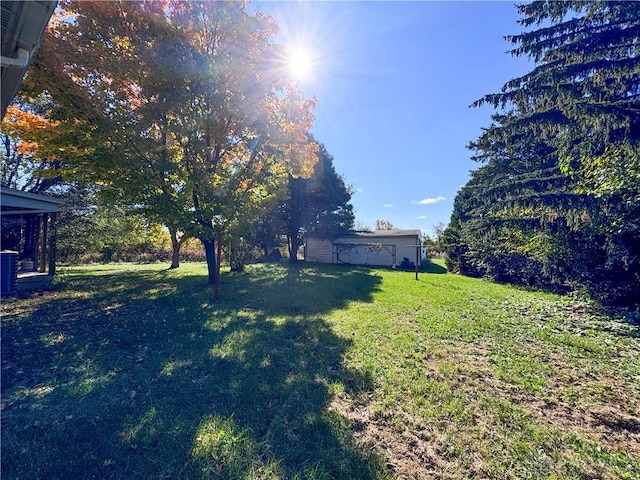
(513, 220)
(558, 200)
(583, 96)
(318, 205)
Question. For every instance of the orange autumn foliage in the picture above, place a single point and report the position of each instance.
(32, 132)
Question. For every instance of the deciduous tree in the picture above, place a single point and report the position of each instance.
(26, 161)
(317, 205)
(191, 113)
(382, 224)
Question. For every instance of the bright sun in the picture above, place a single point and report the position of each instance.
(300, 64)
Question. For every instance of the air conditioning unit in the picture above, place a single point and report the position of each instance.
(8, 272)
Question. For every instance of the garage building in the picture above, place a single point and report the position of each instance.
(380, 248)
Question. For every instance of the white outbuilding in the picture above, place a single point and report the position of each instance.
(380, 248)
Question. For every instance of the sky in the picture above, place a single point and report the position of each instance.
(394, 82)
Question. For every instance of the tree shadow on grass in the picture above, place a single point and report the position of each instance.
(429, 266)
(144, 375)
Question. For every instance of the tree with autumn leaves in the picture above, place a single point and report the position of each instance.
(181, 109)
(26, 141)
(318, 206)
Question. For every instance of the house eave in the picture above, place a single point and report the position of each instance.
(378, 234)
(23, 23)
(16, 202)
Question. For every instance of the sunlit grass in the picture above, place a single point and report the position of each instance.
(136, 371)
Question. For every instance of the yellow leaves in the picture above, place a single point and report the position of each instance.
(302, 158)
(122, 44)
(291, 117)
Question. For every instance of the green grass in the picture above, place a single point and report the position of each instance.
(136, 372)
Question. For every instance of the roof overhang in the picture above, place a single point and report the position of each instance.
(23, 23)
(382, 234)
(15, 202)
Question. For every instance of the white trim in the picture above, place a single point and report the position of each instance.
(20, 62)
(16, 202)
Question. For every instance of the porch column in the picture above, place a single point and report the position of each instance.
(53, 237)
(31, 234)
(43, 247)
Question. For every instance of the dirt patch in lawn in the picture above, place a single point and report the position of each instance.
(418, 450)
(606, 418)
(611, 423)
(412, 449)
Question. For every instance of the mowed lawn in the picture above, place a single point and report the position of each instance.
(137, 372)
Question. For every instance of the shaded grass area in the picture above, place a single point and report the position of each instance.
(433, 265)
(141, 374)
(313, 372)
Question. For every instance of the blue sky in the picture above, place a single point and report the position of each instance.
(394, 81)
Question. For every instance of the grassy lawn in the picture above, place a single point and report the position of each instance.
(136, 372)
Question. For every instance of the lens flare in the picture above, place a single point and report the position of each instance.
(300, 64)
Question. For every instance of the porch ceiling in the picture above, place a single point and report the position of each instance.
(15, 202)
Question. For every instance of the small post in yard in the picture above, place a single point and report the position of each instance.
(418, 252)
(218, 260)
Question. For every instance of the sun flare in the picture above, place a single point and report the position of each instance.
(300, 64)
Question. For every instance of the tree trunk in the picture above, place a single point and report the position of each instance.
(210, 254)
(175, 249)
(294, 243)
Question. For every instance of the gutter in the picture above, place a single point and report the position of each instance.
(20, 62)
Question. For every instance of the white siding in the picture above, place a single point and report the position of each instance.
(375, 249)
(363, 253)
(318, 250)
(404, 251)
